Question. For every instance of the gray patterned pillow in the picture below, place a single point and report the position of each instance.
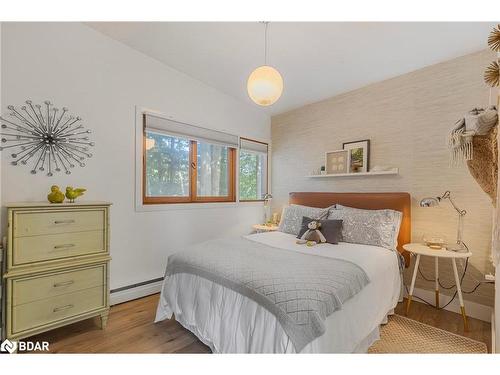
(368, 227)
(291, 217)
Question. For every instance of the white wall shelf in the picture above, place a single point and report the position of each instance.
(393, 171)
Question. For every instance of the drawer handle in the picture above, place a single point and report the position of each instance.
(64, 283)
(65, 246)
(61, 308)
(70, 221)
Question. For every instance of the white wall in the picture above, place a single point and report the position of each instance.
(102, 81)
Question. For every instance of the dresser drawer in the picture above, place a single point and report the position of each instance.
(33, 223)
(36, 288)
(57, 246)
(46, 311)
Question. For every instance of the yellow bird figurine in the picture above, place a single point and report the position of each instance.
(56, 195)
(72, 194)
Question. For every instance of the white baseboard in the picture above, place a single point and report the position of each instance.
(472, 309)
(134, 293)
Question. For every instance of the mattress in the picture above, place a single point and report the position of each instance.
(229, 322)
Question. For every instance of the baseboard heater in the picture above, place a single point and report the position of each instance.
(134, 291)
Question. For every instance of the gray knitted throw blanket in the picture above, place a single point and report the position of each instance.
(478, 121)
(301, 290)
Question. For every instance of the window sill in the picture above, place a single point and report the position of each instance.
(192, 206)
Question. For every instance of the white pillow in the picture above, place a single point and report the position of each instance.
(368, 227)
(291, 217)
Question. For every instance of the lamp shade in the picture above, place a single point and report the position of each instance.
(150, 143)
(429, 202)
(265, 85)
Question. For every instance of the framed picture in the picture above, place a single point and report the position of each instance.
(358, 155)
(336, 162)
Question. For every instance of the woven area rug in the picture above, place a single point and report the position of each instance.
(403, 335)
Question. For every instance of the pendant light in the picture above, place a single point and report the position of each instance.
(150, 143)
(265, 85)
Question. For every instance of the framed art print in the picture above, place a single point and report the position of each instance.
(358, 155)
(336, 162)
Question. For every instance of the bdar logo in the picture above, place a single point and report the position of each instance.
(24, 346)
(8, 346)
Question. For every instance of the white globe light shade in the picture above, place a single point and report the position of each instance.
(265, 85)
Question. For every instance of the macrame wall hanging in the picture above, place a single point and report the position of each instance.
(484, 165)
(491, 77)
(474, 137)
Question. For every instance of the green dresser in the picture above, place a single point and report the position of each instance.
(56, 266)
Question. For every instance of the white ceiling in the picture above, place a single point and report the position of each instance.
(316, 60)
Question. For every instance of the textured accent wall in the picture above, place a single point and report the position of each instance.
(407, 119)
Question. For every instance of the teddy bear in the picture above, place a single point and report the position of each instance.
(312, 235)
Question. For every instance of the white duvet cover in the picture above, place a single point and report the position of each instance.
(229, 322)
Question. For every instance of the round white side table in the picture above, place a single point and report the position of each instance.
(420, 249)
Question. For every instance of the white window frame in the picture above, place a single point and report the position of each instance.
(265, 167)
(141, 207)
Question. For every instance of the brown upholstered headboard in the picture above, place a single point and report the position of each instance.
(370, 201)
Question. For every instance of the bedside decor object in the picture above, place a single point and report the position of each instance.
(435, 242)
(72, 194)
(267, 208)
(276, 219)
(336, 162)
(421, 249)
(262, 228)
(56, 266)
(434, 202)
(358, 155)
(55, 195)
(322, 170)
(49, 139)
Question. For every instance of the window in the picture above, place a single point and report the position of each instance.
(167, 166)
(187, 164)
(253, 170)
(212, 177)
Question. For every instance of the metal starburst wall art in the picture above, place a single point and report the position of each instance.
(44, 137)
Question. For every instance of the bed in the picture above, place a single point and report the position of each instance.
(231, 321)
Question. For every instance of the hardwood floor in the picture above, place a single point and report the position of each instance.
(131, 330)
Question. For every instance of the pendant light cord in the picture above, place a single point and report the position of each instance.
(265, 42)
